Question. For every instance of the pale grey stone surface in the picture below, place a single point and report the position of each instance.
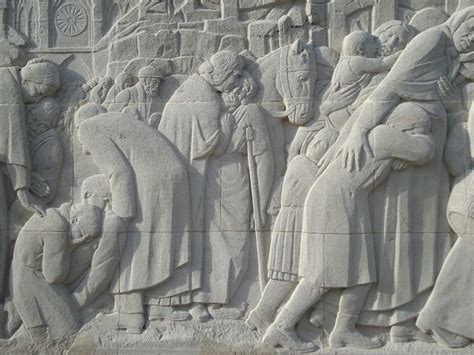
(252, 176)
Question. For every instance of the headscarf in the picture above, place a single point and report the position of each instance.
(220, 66)
(459, 17)
(121, 79)
(42, 71)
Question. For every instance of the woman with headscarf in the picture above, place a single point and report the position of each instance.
(409, 208)
(123, 81)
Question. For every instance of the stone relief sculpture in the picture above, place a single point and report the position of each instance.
(236, 176)
(142, 97)
(121, 149)
(41, 262)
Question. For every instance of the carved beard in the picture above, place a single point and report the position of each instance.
(150, 90)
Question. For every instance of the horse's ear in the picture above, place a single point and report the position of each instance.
(297, 46)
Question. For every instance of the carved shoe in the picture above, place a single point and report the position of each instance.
(288, 339)
(449, 339)
(132, 323)
(401, 334)
(14, 321)
(353, 339)
(168, 313)
(200, 313)
(255, 321)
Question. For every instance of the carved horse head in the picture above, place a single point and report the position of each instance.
(295, 82)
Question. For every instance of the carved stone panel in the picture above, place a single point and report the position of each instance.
(236, 176)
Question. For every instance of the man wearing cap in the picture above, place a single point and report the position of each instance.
(142, 99)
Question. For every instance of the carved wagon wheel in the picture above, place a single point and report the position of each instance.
(71, 19)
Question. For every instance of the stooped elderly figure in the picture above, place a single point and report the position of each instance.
(150, 194)
(228, 195)
(194, 122)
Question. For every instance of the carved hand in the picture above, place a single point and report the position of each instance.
(78, 241)
(328, 157)
(341, 98)
(30, 202)
(357, 142)
(450, 95)
(39, 186)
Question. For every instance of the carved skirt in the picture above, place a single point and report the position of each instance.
(337, 247)
(451, 305)
(283, 260)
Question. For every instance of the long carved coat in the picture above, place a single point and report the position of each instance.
(191, 122)
(410, 225)
(150, 187)
(14, 154)
(13, 140)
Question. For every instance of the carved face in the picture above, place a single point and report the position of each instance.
(316, 150)
(231, 82)
(128, 82)
(84, 220)
(39, 121)
(464, 37)
(151, 85)
(35, 91)
(371, 47)
(392, 40)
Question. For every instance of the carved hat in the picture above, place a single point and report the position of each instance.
(151, 72)
(220, 66)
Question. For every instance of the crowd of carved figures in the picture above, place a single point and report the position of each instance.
(356, 166)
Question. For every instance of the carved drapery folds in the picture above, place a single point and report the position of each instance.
(240, 173)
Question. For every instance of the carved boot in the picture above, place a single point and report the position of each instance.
(14, 321)
(346, 334)
(169, 313)
(406, 333)
(200, 313)
(449, 339)
(257, 321)
(287, 338)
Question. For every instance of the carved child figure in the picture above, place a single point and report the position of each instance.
(337, 248)
(284, 252)
(46, 153)
(355, 68)
(41, 262)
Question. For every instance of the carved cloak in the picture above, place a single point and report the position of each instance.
(150, 187)
(190, 121)
(13, 140)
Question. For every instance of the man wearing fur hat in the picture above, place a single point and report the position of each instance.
(142, 98)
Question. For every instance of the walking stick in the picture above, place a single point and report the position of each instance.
(256, 208)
